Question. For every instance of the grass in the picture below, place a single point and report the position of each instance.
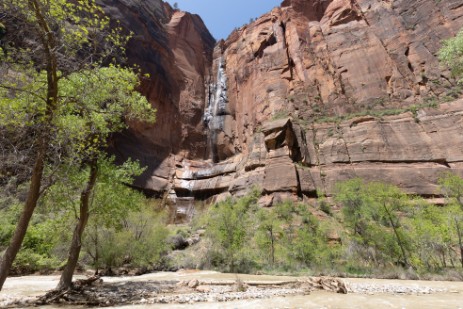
(430, 103)
(281, 114)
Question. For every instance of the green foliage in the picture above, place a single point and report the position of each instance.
(268, 235)
(37, 252)
(139, 239)
(111, 198)
(371, 211)
(122, 228)
(227, 226)
(246, 238)
(54, 88)
(452, 187)
(432, 231)
(324, 205)
(289, 237)
(386, 226)
(77, 27)
(28, 261)
(451, 54)
(8, 218)
(93, 104)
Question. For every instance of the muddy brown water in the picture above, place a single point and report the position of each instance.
(368, 293)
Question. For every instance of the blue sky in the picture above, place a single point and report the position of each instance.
(222, 16)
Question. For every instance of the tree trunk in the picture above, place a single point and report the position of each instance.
(65, 281)
(26, 215)
(97, 255)
(460, 242)
(397, 235)
(48, 42)
(272, 246)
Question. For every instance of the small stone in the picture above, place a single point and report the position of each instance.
(203, 289)
(193, 283)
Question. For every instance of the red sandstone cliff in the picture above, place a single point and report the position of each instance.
(175, 49)
(254, 105)
(312, 58)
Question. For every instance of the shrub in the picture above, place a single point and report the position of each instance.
(140, 240)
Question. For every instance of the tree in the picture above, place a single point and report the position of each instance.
(138, 238)
(432, 230)
(452, 187)
(111, 207)
(372, 211)
(268, 232)
(227, 227)
(310, 242)
(451, 54)
(98, 103)
(48, 41)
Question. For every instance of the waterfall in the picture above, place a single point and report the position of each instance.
(217, 107)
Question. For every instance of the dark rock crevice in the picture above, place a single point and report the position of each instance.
(268, 41)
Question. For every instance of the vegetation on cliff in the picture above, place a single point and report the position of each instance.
(371, 229)
(451, 54)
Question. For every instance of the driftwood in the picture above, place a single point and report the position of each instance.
(69, 295)
(313, 283)
(87, 282)
(91, 291)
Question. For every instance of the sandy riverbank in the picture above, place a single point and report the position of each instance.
(217, 290)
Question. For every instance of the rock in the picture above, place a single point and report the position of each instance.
(175, 49)
(280, 175)
(193, 239)
(178, 242)
(240, 286)
(265, 201)
(333, 284)
(306, 54)
(193, 283)
(203, 289)
(241, 113)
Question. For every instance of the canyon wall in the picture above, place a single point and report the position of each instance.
(310, 59)
(175, 49)
(313, 92)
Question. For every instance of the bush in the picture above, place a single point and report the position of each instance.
(28, 262)
(140, 240)
(37, 253)
(372, 213)
(229, 228)
(246, 239)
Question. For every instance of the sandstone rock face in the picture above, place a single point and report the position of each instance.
(175, 49)
(403, 150)
(308, 60)
(254, 110)
(312, 58)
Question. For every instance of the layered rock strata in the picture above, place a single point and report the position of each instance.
(286, 160)
(265, 107)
